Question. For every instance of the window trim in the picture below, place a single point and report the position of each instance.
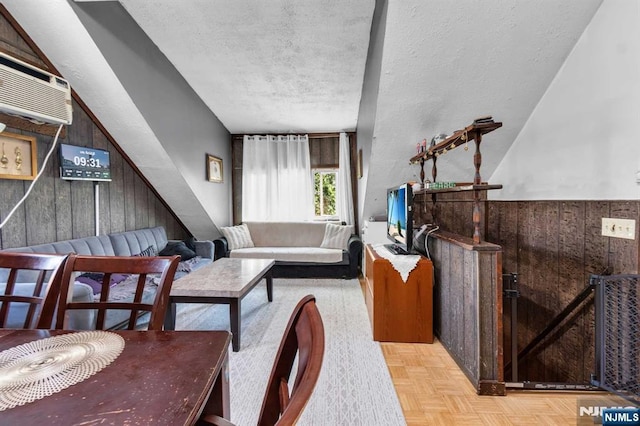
(323, 170)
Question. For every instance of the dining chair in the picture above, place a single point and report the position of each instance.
(105, 267)
(303, 339)
(32, 286)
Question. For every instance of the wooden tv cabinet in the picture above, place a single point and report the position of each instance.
(399, 311)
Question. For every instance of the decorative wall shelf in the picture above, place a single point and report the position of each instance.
(461, 188)
(473, 132)
(460, 137)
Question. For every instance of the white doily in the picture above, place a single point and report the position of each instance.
(404, 264)
(37, 369)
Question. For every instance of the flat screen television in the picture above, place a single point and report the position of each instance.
(84, 163)
(400, 218)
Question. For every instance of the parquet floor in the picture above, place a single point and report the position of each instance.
(434, 391)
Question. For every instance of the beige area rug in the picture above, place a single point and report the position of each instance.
(354, 387)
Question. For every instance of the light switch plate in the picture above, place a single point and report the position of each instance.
(619, 228)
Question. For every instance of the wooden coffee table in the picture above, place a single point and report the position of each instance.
(225, 281)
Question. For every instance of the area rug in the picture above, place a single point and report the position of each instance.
(354, 387)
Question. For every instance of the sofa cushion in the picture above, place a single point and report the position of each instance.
(287, 234)
(129, 243)
(290, 254)
(125, 243)
(76, 320)
(92, 245)
(237, 236)
(80, 319)
(336, 236)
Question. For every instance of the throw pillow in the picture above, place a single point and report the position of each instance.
(179, 248)
(149, 251)
(336, 236)
(237, 236)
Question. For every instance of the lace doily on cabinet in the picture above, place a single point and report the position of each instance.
(40, 368)
(404, 264)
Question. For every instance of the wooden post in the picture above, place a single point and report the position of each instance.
(434, 175)
(477, 180)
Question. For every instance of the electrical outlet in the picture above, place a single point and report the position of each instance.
(619, 228)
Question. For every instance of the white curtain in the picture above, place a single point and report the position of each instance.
(343, 186)
(276, 178)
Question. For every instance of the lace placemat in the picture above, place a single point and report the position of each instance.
(404, 264)
(37, 369)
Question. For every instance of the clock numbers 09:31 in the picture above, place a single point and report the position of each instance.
(84, 162)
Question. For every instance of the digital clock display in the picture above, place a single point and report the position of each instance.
(84, 163)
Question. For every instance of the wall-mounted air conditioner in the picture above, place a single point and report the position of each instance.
(32, 93)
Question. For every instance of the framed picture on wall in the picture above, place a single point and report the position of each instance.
(18, 157)
(214, 169)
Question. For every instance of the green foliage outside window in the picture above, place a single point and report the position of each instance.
(324, 193)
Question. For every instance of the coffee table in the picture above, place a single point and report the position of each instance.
(225, 281)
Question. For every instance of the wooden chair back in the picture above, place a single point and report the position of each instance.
(46, 270)
(142, 266)
(304, 338)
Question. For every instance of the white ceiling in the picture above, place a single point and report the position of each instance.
(298, 66)
(445, 63)
(266, 66)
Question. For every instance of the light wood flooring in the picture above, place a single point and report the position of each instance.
(432, 390)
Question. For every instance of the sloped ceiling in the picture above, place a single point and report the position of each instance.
(289, 66)
(445, 63)
(283, 66)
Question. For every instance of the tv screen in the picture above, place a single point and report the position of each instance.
(399, 216)
(84, 163)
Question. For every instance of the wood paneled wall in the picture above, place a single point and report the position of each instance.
(324, 152)
(553, 247)
(58, 209)
(468, 307)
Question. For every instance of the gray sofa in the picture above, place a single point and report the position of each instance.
(297, 250)
(126, 243)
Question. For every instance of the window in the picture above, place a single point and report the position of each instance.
(324, 194)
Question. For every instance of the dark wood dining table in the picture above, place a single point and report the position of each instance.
(160, 378)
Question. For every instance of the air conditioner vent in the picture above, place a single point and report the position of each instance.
(32, 93)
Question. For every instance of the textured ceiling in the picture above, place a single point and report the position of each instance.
(266, 66)
(289, 66)
(445, 63)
